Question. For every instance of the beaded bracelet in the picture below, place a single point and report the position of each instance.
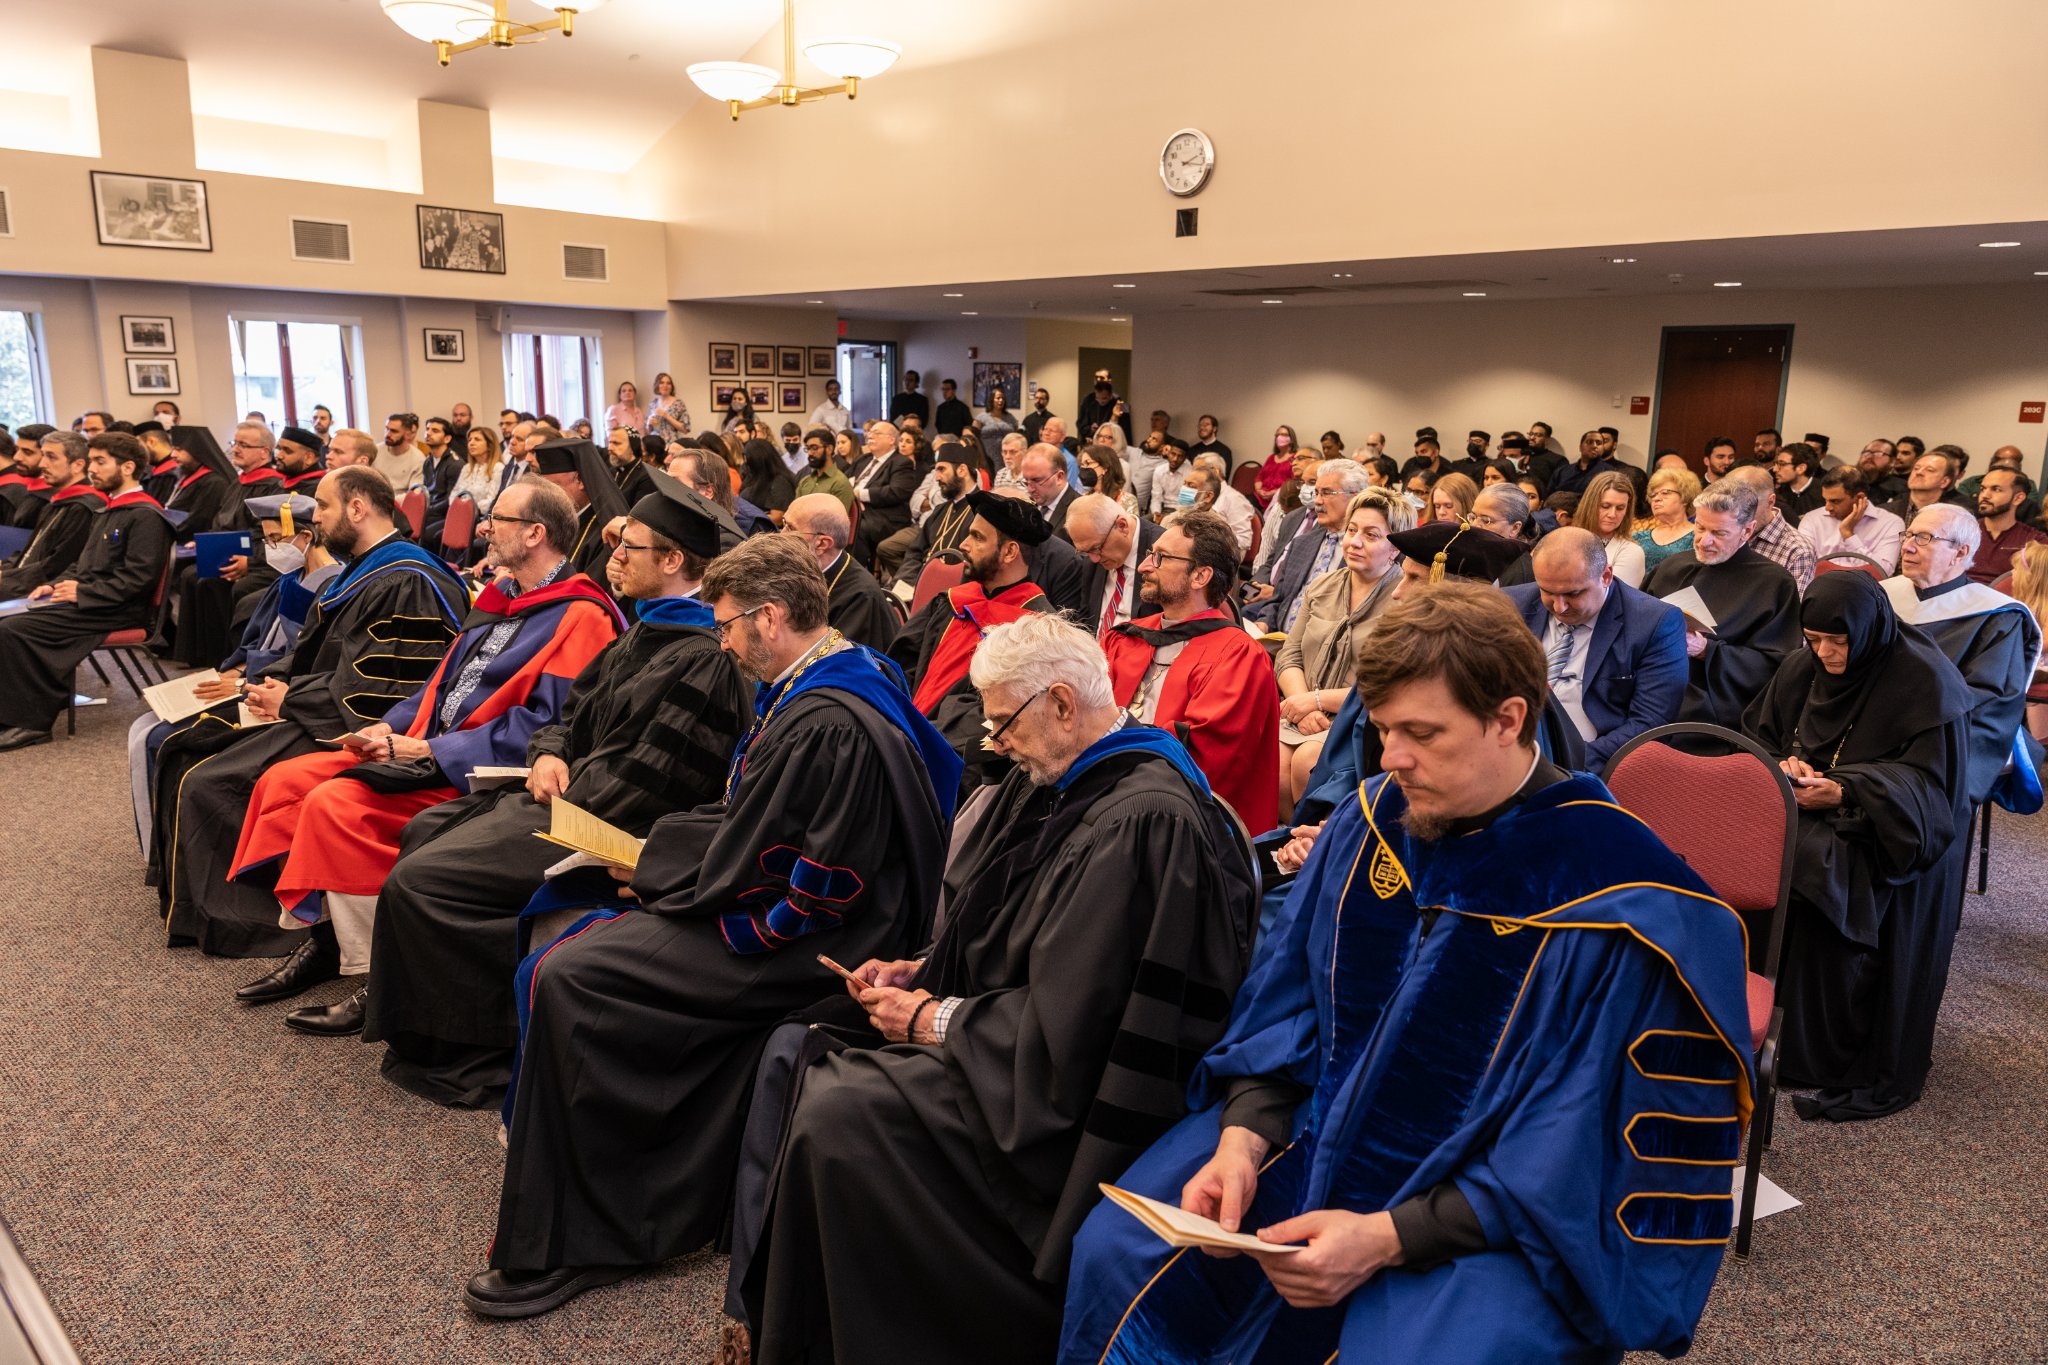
(910, 1031)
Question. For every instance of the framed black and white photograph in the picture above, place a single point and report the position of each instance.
(761, 393)
(151, 210)
(461, 239)
(1007, 375)
(147, 336)
(760, 362)
(793, 396)
(789, 362)
(824, 361)
(444, 343)
(725, 358)
(152, 378)
(721, 398)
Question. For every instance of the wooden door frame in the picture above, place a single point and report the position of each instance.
(1657, 393)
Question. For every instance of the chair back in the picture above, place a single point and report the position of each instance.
(2003, 583)
(1245, 479)
(1251, 554)
(459, 527)
(1730, 816)
(982, 474)
(939, 576)
(1837, 560)
(1255, 862)
(414, 504)
(163, 585)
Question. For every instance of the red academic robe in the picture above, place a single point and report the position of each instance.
(337, 834)
(1219, 697)
(974, 611)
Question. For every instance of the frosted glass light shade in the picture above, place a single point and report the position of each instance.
(579, 6)
(742, 81)
(440, 21)
(852, 58)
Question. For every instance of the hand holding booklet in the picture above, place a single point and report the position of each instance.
(175, 700)
(489, 778)
(1693, 607)
(577, 829)
(1178, 1228)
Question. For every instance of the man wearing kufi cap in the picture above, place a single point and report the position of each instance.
(298, 460)
(648, 728)
(580, 469)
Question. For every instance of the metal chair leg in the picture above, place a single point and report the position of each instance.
(94, 660)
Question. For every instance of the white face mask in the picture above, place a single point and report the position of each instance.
(286, 556)
(1308, 497)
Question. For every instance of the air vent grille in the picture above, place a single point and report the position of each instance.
(313, 240)
(584, 263)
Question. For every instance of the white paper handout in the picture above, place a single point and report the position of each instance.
(173, 701)
(1697, 615)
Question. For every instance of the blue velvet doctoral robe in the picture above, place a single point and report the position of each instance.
(1567, 1043)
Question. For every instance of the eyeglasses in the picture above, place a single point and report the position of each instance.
(725, 626)
(1485, 521)
(624, 549)
(500, 516)
(1160, 557)
(1921, 540)
(995, 731)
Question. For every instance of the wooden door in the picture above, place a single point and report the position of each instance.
(1718, 381)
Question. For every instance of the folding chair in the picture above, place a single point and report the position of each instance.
(414, 505)
(1692, 801)
(457, 529)
(125, 646)
(940, 574)
(1250, 555)
(1245, 479)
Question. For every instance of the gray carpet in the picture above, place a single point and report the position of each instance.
(193, 1183)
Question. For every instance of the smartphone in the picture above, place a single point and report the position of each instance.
(840, 971)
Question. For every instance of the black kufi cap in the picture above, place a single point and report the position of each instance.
(140, 429)
(299, 436)
(1014, 518)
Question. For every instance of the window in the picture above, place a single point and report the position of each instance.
(24, 388)
(557, 374)
(284, 369)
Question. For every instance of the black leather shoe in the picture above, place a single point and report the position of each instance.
(529, 1293)
(332, 1021)
(312, 962)
(17, 737)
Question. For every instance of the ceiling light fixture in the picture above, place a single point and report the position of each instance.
(1272, 300)
(1123, 286)
(970, 315)
(1997, 244)
(1621, 260)
(1471, 295)
(1119, 319)
(1341, 275)
(952, 296)
(454, 26)
(745, 85)
(814, 300)
(1727, 284)
(2041, 272)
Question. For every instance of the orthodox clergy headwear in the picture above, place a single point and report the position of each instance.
(1014, 518)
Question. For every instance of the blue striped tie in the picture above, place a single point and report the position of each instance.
(1560, 656)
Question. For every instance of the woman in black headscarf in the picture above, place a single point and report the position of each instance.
(1869, 720)
(764, 479)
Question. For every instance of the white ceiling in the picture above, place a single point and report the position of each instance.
(1847, 260)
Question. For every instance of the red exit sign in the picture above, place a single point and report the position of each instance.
(1639, 406)
(2033, 412)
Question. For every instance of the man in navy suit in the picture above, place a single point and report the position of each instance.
(1614, 656)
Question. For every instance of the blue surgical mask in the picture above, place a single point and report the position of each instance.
(1186, 496)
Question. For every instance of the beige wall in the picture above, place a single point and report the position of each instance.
(1948, 364)
(1349, 131)
(1052, 360)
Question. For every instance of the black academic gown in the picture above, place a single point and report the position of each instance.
(858, 608)
(116, 572)
(1995, 651)
(648, 729)
(377, 647)
(957, 714)
(1756, 614)
(943, 529)
(203, 608)
(60, 535)
(644, 1030)
(970, 1165)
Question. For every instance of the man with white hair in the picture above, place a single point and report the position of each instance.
(1992, 640)
(1038, 1049)
(1312, 553)
(856, 606)
(1013, 448)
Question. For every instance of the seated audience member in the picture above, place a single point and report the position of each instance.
(1316, 664)
(581, 471)
(822, 473)
(1614, 657)
(1451, 497)
(2030, 589)
(764, 481)
(160, 477)
(856, 606)
(1871, 723)
(1114, 542)
(399, 459)
(478, 478)
(323, 829)
(107, 587)
(1102, 471)
(648, 729)
(1931, 479)
(1008, 470)
(941, 529)
(637, 1048)
(1573, 476)
(205, 498)
(626, 451)
(1775, 538)
(64, 518)
(1845, 521)
(2005, 457)
(1168, 477)
(1439, 1151)
(1993, 640)
(1216, 495)
(1035, 1054)
(1797, 470)
(1999, 500)
(375, 634)
(883, 479)
(1607, 509)
(1754, 602)
(22, 489)
(1305, 558)
(1043, 470)
(250, 453)
(1875, 464)
(703, 473)
(1669, 532)
(1503, 510)
(1191, 670)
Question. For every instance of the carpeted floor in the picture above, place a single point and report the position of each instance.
(193, 1183)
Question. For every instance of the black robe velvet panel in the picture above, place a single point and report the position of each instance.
(60, 534)
(1756, 625)
(858, 608)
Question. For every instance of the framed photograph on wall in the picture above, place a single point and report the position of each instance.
(151, 210)
(152, 378)
(990, 375)
(461, 239)
(444, 343)
(824, 361)
(793, 396)
(147, 336)
(760, 362)
(721, 398)
(725, 358)
(789, 362)
(761, 393)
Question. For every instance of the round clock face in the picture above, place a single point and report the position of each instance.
(1186, 161)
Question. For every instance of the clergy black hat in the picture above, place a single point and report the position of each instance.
(140, 429)
(1015, 519)
(1458, 551)
(299, 436)
(558, 457)
(198, 442)
(574, 455)
(686, 524)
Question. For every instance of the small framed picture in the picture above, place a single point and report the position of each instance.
(1007, 375)
(721, 397)
(152, 378)
(147, 336)
(824, 361)
(461, 239)
(793, 396)
(789, 362)
(760, 362)
(761, 393)
(152, 211)
(725, 358)
(444, 343)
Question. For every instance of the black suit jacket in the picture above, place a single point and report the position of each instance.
(887, 508)
(1058, 520)
(1098, 580)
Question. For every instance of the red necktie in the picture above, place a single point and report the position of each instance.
(1116, 600)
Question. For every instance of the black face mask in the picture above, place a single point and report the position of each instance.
(1089, 478)
(1475, 449)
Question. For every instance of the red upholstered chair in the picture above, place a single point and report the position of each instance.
(1245, 479)
(2003, 583)
(457, 529)
(125, 646)
(1258, 525)
(414, 504)
(1732, 818)
(1837, 560)
(939, 575)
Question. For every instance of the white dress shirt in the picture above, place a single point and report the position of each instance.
(1236, 509)
(1104, 616)
(832, 416)
(1877, 533)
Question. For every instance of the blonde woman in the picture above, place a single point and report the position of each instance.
(2030, 590)
(1669, 530)
(1607, 508)
(1451, 498)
